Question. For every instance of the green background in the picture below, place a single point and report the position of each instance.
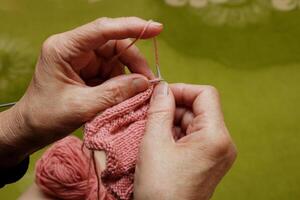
(255, 66)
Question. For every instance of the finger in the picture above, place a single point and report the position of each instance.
(179, 112)
(205, 105)
(178, 133)
(108, 67)
(108, 50)
(160, 116)
(130, 57)
(207, 130)
(133, 59)
(185, 94)
(183, 118)
(117, 70)
(92, 69)
(92, 35)
(115, 90)
(99, 77)
(96, 65)
(187, 120)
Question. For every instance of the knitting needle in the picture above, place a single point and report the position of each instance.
(158, 73)
(7, 104)
(157, 60)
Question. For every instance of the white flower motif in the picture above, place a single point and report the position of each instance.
(198, 3)
(285, 5)
(235, 12)
(229, 12)
(176, 3)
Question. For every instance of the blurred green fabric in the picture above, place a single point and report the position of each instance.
(253, 59)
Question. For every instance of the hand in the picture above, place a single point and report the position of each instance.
(191, 167)
(70, 85)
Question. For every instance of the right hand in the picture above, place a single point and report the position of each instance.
(191, 167)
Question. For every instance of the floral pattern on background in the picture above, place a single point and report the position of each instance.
(235, 12)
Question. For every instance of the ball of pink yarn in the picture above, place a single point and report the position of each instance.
(66, 172)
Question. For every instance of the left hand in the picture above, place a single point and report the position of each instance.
(70, 85)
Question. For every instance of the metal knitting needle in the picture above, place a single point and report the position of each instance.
(158, 73)
(7, 104)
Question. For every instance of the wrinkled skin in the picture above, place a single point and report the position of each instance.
(192, 167)
(74, 80)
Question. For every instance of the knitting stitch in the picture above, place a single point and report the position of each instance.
(64, 170)
(118, 131)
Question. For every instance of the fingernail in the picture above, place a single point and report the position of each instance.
(161, 89)
(140, 84)
(157, 24)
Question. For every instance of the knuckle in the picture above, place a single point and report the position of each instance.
(196, 125)
(80, 111)
(211, 90)
(103, 21)
(132, 18)
(233, 153)
(159, 109)
(230, 156)
(222, 147)
(129, 19)
(157, 120)
(50, 44)
(181, 87)
(112, 95)
(158, 113)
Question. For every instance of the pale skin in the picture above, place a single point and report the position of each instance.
(74, 81)
(191, 167)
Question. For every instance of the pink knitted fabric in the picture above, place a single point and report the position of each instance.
(65, 170)
(118, 131)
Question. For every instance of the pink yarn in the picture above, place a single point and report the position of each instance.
(65, 170)
(118, 131)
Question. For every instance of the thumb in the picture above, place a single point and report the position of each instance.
(160, 115)
(116, 90)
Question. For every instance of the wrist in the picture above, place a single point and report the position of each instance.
(14, 135)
